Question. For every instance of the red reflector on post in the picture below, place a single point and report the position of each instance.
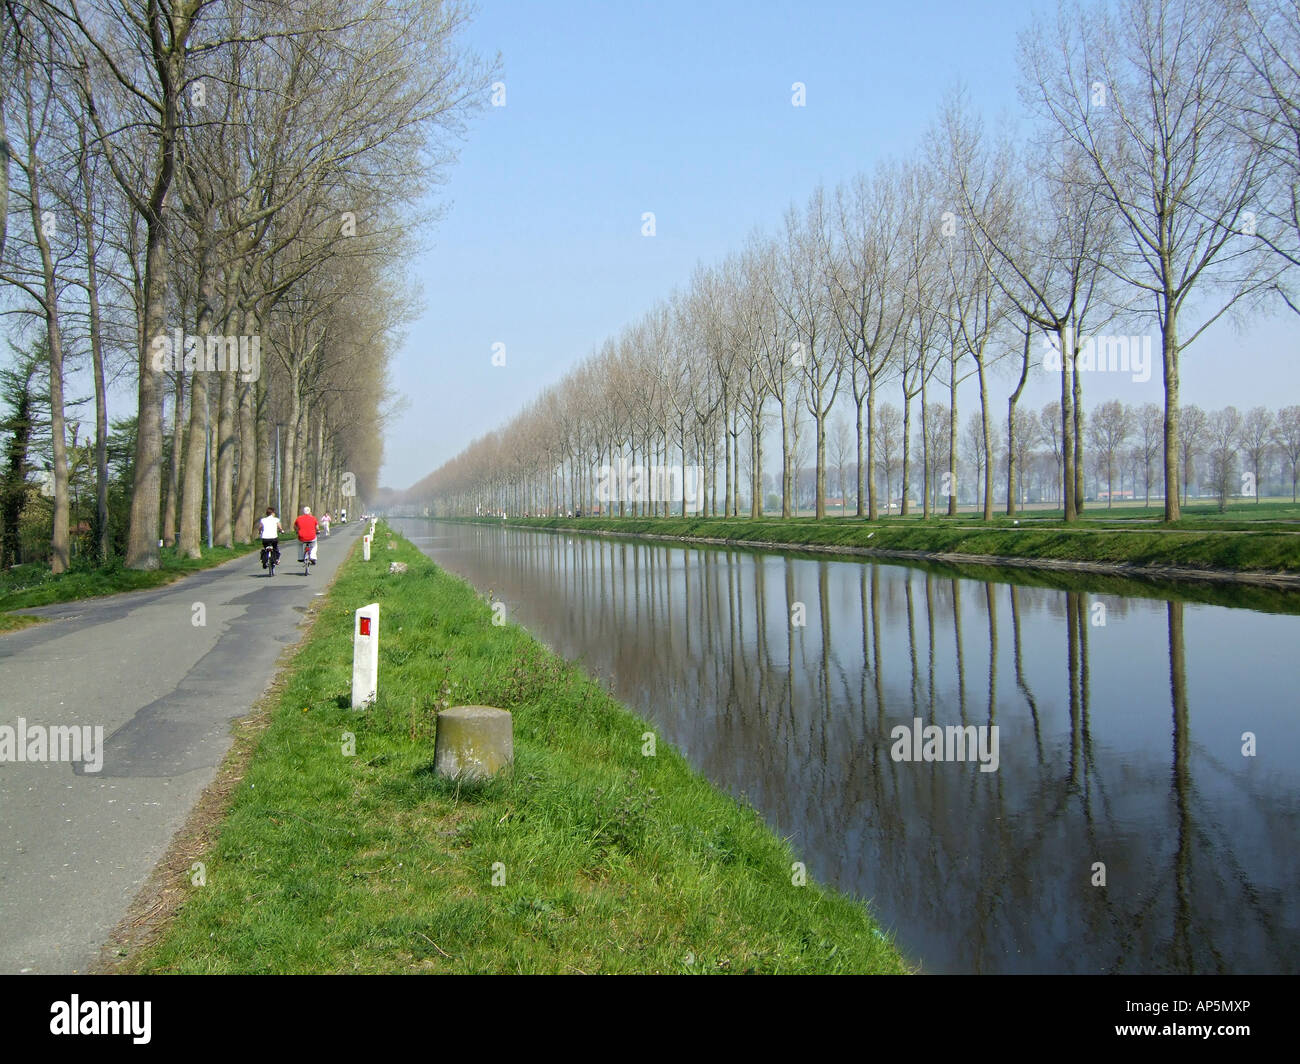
(365, 625)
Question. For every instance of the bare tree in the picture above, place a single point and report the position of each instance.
(924, 231)
(1191, 443)
(1257, 430)
(841, 446)
(43, 119)
(867, 305)
(1044, 230)
(1149, 425)
(1286, 436)
(889, 442)
(976, 447)
(1052, 425)
(1223, 433)
(1270, 116)
(1150, 96)
(1110, 427)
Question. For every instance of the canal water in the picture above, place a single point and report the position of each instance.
(1144, 814)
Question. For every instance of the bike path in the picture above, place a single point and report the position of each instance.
(76, 846)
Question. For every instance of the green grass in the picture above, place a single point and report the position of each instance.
(12, 622)
(1231, 542)
(1198, 513)
(613, 861)
(25, 586)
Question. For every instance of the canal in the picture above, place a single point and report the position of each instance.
(1144, 811)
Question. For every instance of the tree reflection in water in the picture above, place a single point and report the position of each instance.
(976, 872)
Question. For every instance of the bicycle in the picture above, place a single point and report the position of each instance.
(307, 559)
(270, 558)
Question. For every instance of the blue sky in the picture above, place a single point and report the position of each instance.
(684, 109)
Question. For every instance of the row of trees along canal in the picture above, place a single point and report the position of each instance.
(246, 173)
(1154, 184)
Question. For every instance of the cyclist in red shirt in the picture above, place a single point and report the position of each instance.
(305, 525)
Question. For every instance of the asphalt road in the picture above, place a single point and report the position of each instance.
(75, 847)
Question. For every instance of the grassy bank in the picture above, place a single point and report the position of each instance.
(605, 860)
(1268, 546)
(25, 586)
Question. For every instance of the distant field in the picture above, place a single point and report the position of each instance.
(1268, 508)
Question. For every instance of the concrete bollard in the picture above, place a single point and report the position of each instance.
(365, 656)
(365, 548)
(473, 742)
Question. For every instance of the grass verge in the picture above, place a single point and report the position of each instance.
(587, 856)
(25, 586)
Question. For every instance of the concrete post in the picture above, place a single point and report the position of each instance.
(365, 656)
(365, 548)
(473, 742)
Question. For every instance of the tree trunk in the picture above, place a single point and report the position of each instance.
(249, 456)
(196, 443)
(97, 361)
(289, 450)
(298, 471)
(1011, 429)
(952, 440)
(4, 178)
(1169, 355)
(225, 460)
(988, 445)
(266, 447)
(857, 429)
(726, 473)
(925, 457)
(178, 437)
(60, 555)
(142, 533)
(196, 451)
(1077, 386)
(787, 460)
(821, 464)
(903, 506)
(1067, 424)
(872, 511)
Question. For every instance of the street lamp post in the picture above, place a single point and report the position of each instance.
(207, 462)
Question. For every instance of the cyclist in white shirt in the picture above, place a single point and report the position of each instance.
(268, 528)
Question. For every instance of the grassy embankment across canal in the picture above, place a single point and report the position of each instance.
(587, 856)
(25, 586)
(1248, 538)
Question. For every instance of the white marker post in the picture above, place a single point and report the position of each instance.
(365, 548)
(365, 656)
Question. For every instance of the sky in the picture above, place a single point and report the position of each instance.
(684, 109)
